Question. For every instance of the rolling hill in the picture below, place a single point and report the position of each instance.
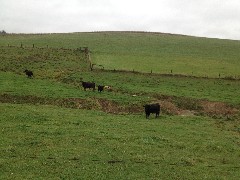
(52, 129)
(146, 52)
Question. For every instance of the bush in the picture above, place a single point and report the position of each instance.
(3, 32)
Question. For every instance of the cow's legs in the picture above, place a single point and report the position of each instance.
(147, 116)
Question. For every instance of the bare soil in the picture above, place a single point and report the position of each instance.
(169, 105)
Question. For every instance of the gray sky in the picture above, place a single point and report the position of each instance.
(207, 18)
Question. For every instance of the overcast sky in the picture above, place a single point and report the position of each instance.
(207, 18)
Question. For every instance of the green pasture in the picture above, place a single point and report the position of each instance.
(146, 52)
(47, 142)
(124, 85)
(57, 73)
(52, 129)
(19, 85)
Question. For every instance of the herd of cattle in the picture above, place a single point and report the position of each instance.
(149, 108)
(91, 85)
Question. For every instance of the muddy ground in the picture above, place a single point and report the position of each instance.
(169, 105)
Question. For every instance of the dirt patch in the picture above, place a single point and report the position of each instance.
(76, 103)
(170, 108)
(217, 108)
(188, 107)
(169, 105)
(109, 106)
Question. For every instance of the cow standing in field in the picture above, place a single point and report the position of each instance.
(88, 85)
(100, 88)
(152, 108)
(29, 73)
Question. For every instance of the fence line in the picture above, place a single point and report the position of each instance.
(86, 52)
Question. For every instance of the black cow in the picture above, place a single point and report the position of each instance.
(100, 88)
(88, 85)
(152, 108)
(28, 73)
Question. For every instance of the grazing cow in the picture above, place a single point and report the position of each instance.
(152, 108)
(100, 88)
(28, 73)
(88, 85)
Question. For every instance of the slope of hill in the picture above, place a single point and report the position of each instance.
(145, 52)
(52, 129)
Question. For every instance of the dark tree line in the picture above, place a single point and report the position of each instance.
(3, 32)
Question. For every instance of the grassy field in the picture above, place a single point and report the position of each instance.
(48, 142)
(161, 53)
(52, 129)
(68, 67)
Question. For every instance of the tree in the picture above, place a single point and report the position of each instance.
(3, 32)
